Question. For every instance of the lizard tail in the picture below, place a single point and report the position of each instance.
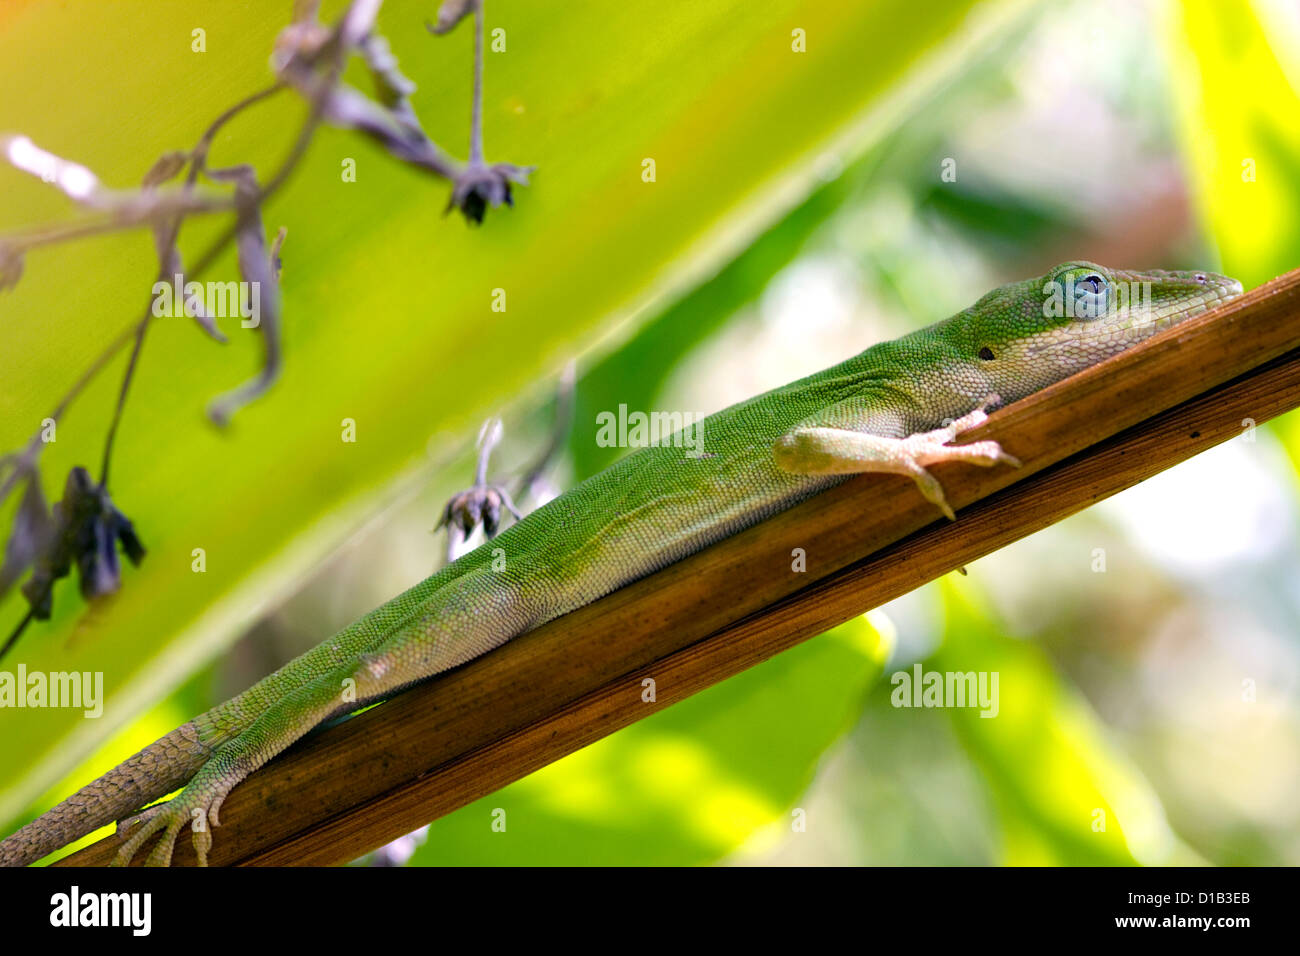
(157, 770)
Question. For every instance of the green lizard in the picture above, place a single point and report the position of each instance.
(893, 408)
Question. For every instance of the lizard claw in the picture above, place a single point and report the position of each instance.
(168, 818)
(145, 824)
(826, 450)
(932, 447)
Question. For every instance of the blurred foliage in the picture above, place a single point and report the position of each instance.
(1062, 792)
(634, 373)
(1236, 73)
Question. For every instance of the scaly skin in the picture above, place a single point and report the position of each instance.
(893, 408)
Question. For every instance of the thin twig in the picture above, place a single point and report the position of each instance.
(488, 439)
(564, 395)
(199, 155)
(198, 161)
(476, 109)
(18, 631)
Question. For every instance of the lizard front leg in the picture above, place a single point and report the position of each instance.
(824, 446)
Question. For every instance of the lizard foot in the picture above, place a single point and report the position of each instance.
(197, 808)
(820, 449)
(929, 448)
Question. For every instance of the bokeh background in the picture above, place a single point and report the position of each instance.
(799, 213)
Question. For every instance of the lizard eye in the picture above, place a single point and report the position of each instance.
(1090, 296)
(1077, 290)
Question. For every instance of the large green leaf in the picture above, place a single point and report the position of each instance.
(1236, 93)
(1064, 793)
(387, 304)
(1237, 96)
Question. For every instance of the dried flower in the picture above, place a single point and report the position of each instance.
(480, 504)
(450, 14)
(167, 167)
(260, 270)
(479, 186)
(30, 535)
(86, 529)
(11, 267)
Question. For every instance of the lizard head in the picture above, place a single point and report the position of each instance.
(1026, 335)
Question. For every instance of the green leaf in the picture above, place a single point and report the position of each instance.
(387, 306)
(1236, 91)
(1064, 793)
(1237, 96)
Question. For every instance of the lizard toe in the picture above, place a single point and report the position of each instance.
(145, 824)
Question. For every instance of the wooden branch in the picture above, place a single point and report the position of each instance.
(439, 746)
